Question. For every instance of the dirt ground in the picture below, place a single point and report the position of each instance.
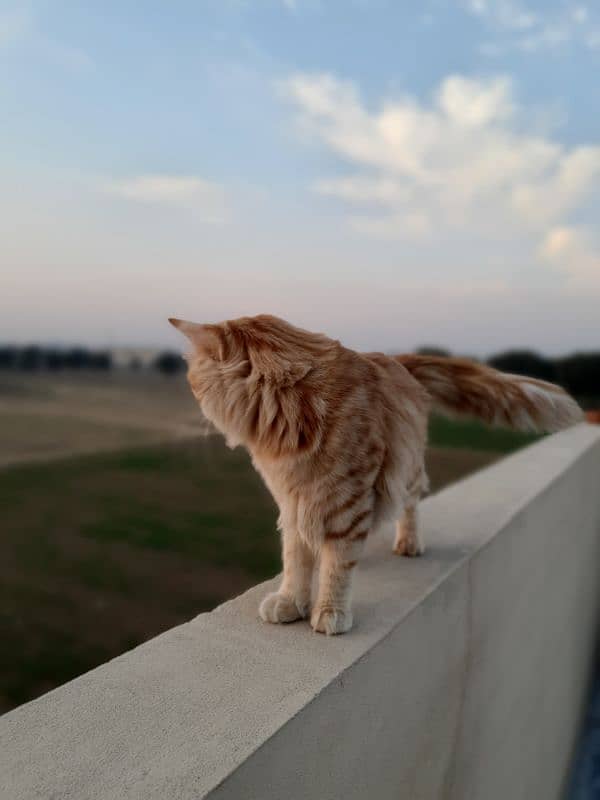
(44, 416)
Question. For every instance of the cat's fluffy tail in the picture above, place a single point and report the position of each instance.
(459, 386)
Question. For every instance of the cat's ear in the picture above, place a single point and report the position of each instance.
(205, 338)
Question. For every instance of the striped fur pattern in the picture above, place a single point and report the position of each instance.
(339, 439)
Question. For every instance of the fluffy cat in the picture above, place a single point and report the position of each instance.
(339, 439)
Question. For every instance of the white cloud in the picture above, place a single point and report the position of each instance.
(474, 103)
(411, 225)
(477, 6)
(204, 198)
(573, 250)
(360, 190)
(521, 29)
(562, 190)
(461, 162)
(592, 39)
(545, 38)
(503, 13)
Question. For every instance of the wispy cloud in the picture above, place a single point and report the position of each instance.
(505, 14)
(20, 28)
(461, 162)
(516, 27)
(205, 199)
(14, 23)
(72, 58)
(573, 250)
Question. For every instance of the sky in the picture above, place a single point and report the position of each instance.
(394, 174)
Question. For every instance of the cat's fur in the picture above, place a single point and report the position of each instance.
(339, 438)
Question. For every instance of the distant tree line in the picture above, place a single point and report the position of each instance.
(169, 363)
(31, 358)
(579, 373)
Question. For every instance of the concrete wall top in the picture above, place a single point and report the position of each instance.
(175, 717)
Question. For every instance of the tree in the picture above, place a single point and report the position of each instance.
(101, 359)
(54, 359)
(525, 362)
(30, 357)
(168, 362)
(432, 350)
(77, 358)
(580, 374)
(9, 357)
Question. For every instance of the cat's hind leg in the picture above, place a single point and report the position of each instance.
(409, 540)
(292, 600)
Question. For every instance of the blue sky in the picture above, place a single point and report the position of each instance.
(391, 173)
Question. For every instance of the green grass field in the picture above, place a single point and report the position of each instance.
(466, 433)
(100, 552)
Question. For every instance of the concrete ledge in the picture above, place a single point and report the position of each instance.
(464, 677)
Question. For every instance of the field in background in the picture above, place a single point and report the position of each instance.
(45, 415)
(466, 433)
(102, 550)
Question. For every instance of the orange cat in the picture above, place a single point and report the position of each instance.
(339, 438)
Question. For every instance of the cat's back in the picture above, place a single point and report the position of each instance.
(396, 380)
(370, 394)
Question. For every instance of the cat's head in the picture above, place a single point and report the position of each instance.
(242, 370)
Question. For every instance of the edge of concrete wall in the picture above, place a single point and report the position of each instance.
(444, 688)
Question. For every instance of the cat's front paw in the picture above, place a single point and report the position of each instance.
(278, 607)
(331, 621)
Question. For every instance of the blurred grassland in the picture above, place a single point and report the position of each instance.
(473, 435)
(100, 552)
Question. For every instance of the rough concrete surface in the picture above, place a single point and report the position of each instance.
(463, 678)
